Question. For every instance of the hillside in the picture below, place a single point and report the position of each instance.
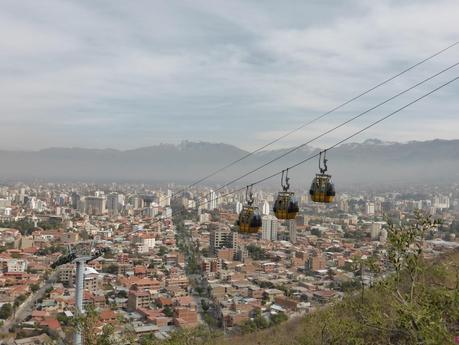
(372, 320)
(363, 163)
(379, 318)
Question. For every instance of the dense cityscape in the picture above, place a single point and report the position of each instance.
(141, 148)
(176, 260)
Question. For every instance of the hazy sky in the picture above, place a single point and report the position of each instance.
(126, 74)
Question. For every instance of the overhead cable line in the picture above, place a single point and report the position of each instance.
(336, 144)
(215, 172)
(335, 128)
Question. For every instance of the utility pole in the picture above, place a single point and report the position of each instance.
(79, 289)
(80, 255)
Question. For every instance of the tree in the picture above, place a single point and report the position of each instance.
(63, 319)
(34, 287)
(19, 300)
(199, 290)
(112, 269)
(122, 294)
(6, 311)
(204, 305)
(15, 255)
(162, 250)
(278, 318)
(87, 324)
(419, 317)
(168, 311)
(257, 253)
(316, 232)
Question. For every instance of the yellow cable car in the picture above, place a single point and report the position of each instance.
(285, 206)
(249, 221)
(322, 189)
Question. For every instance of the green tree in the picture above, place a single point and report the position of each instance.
(162, 250)
(112, 269)
(168, 311)
(19, 300)
(6, 311)
(204, 305)
(278, 318)
(257, 253)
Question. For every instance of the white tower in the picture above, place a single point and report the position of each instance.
(269, 228)
(213, 200)
(265, 208)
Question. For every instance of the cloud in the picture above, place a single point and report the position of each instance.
(122, 74)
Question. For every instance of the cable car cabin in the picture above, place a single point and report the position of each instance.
(285, 206)
(322, 189)
(249, 220)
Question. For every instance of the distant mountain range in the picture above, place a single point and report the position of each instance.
(371, 162)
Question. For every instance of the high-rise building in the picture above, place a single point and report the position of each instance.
(112, 203)
(343, 205)
(370, 208)
(213, 200)
(22, 195)
(270, 226)
(375, 231)
(265, 208)
(95, 205)
(291, 225)
(151, 211)
(222, 238)
(441, 201)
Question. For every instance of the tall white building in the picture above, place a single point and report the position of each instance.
(95, 205)
(265, 209)
(370, 208)
(291, 225)
(112, 203)
(269, 227)
(213, 200)
(22, 195)
(151, 211)
(441, 201)
(375, 231)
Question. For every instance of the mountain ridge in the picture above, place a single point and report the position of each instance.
(372, 161)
